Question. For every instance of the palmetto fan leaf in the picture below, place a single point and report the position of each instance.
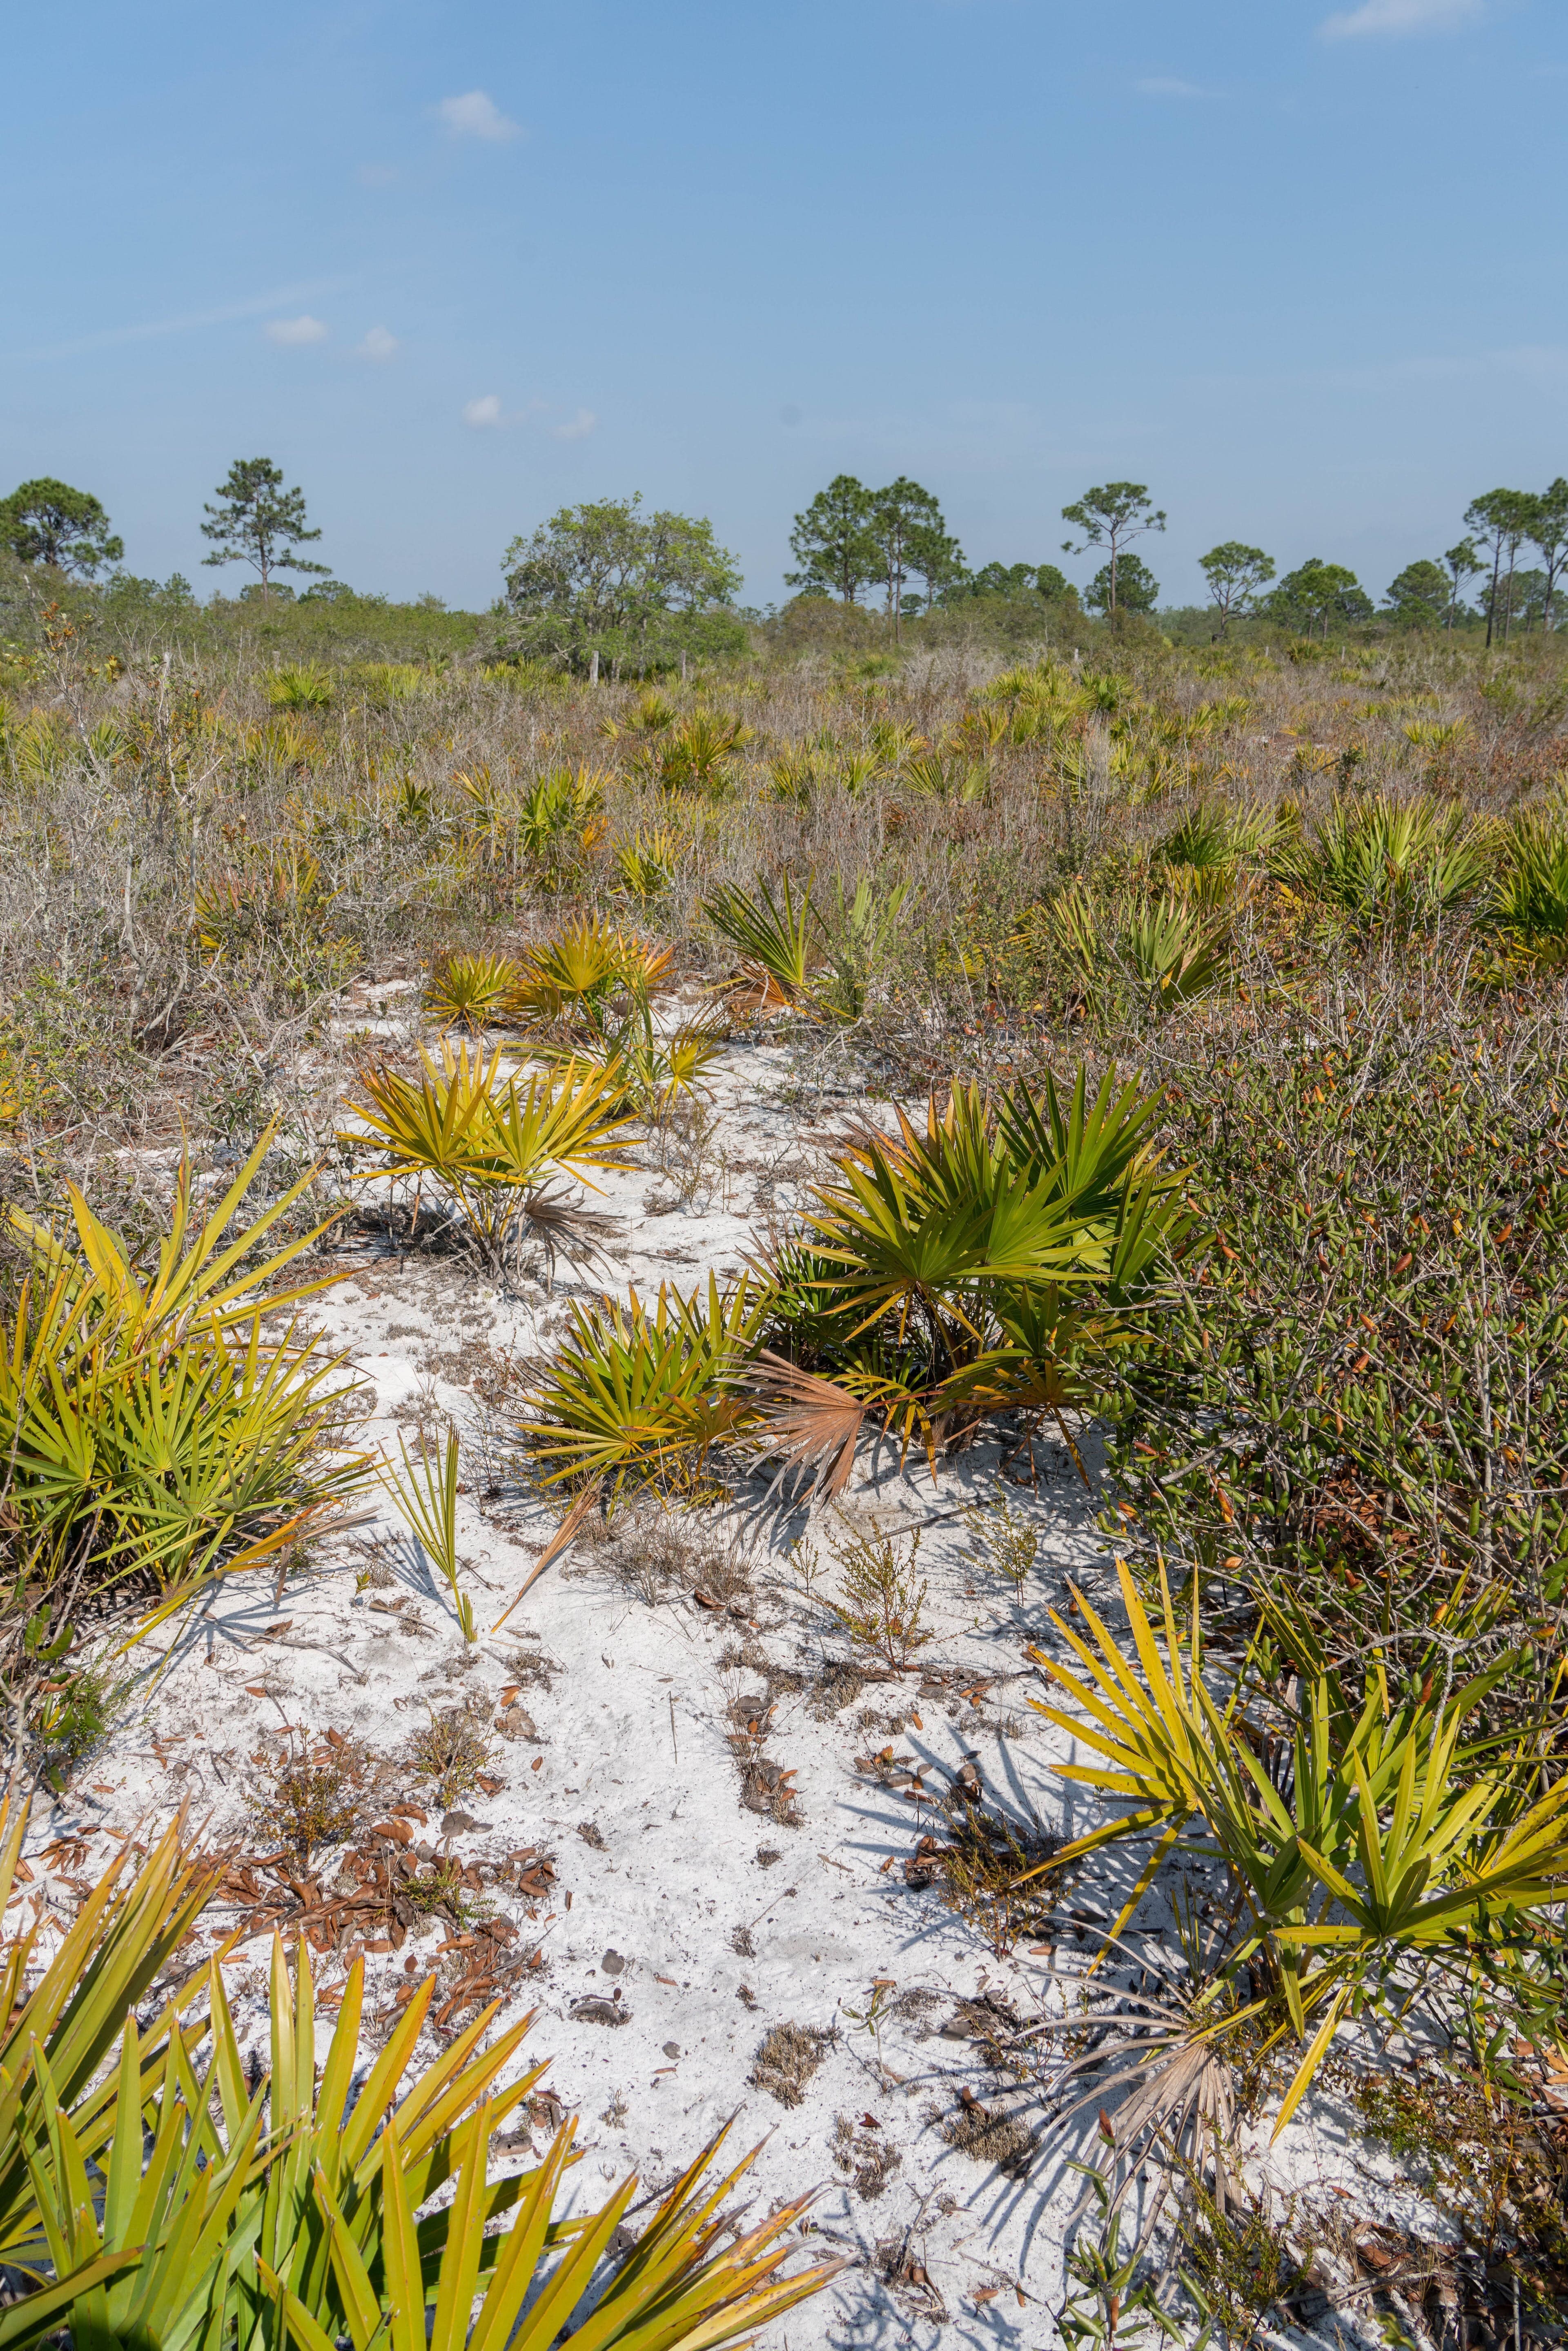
(472, 990)
(1527, 902)
(635, 1397)
(778, 940)
(916, 1220)
(426, 1128)
(575, 975)
(156, 1427)
(1086, 1152)
(195, 1274)
(1381, 856)
(66, 2013)
(491, 1144)
(1394, 1838)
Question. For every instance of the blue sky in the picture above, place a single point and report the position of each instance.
(453, 265)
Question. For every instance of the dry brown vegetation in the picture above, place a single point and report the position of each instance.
(1314, 899)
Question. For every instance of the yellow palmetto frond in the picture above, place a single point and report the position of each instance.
(197, 1278)
(472, 990)
(491, 1143)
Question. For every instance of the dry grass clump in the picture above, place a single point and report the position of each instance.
(657, 1555)
(987, 2136)
(787, 2057)
(866, 2154)
(994, 1871)
(452, 1751)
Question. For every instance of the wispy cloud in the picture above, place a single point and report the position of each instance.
(476, 115)
(379, 343)
(486, 414)
(1398, 16)
(223, 314)
(1168, 85)
(291, 332)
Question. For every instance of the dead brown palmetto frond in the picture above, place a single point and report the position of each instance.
(1154, 2066)
(561, 1226)
(811, 1425)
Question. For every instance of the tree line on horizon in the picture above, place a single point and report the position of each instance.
(605, 579)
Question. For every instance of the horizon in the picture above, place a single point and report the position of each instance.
(453, 276)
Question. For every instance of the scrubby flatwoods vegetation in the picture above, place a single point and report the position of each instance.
(1215, 1003)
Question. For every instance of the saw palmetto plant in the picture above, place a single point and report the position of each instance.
(1376, 858)
(697, 757)
(491, 1148)
(472, 991)
(1172, 948)
(585, 978)
(946, 776)
(1387, 1849)
(646, 865)
(201, 2211)
(636, 1397)
(160, 1428)
(61, 2012)
(978, 1258)
(856, 945)
(975, 1271)
(1527, 902)
(779, 943)
(559, 822)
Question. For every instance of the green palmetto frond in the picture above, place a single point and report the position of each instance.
(1073, 927)
(571, 1123)
(916, 1219)
(1086, 1152)
(1172, 948)
(933, 776)
(698, 755)
(431, 1128)
(157, 1430)
(558, 811)
(1380, 856)
(492, 1145)
(426, 1495)
(857, 946)
(777, 941)
(59, 2018)
(1527, 903)
(1390, 1822)
(579, 973)
(673, 2292)
(647, 864)
(467, 1123)
(634, 1397)
(174, 2217)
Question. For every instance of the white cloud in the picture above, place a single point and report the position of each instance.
(483, 411)
(1168, 85)
(580, 426)
(1401, 16)
(379, 343)
(293, 332)
(476, 115)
